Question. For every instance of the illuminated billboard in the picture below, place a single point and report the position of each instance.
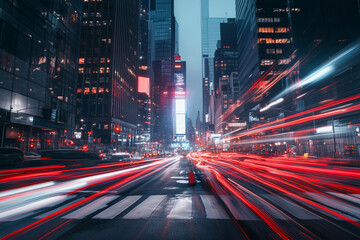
(179, 82)
(180, 124)
(144, 85)
(180, 106)
(180, 119)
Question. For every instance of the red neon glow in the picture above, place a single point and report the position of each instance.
(144, 85)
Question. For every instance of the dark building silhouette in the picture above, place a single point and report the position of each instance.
(108, 67)
(163, 42)
(39, 47)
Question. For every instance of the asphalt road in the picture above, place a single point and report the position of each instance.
(153, 200)
(159, 204)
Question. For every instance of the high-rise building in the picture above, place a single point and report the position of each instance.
(179, 99)
(144, 115)
(210, 35)
(246, 24)
(225, 69)
(39, 47)
(143, 136)
(163, 49)
(266, 51)
(108, 67)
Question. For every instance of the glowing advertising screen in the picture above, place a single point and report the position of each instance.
(180, 106)
(180, 124)
(180, 110)
(179, 82)
(144, 85)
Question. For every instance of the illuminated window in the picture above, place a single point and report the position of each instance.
(277, 20)
(281, 30)
(272, 41)
(279, 10)
(102, 70)
(102, 60)
(279, 51)
(264, 20)
(86, 91)
(81, 70)
(270, 51)
(284, 61)
(107, 70)
(267, 62)
(81, 60)
(266, 30)
(79, 90)
(93, 90)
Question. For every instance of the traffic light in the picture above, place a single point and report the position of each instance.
(117, 129)
(19, 137)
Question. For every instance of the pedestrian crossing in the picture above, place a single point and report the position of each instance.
(184, 207)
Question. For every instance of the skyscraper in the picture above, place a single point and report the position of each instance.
(39, 47)
(225, 73)
(210, 35)
(108, 72)
(163, 50)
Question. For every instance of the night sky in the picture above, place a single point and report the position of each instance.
(187, 13)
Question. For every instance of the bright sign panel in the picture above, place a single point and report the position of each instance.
(144, 85)
(180, 106)
(180, 124)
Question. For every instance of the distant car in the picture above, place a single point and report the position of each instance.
(69, 155)
(31, 156)
(11, 157)
(121, 157)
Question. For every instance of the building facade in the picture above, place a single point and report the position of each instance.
(108, 68)
(163, 41)
(210, 35)
(39, 47)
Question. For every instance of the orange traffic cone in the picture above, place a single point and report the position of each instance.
(191, 177)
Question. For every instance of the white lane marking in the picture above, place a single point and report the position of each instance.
(346, 197)
(26, 189)
(91, 207)
(291, 208)
(118, 208)
(182, 208)
(32, 206)
(241, 212)
(350, 211)
(146, 208)
(356, 195)
(57, 209)
(212, 208)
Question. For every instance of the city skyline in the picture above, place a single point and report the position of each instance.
(189, 19)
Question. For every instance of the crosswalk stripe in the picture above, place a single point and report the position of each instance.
(117, 208)
(57, 209)
(212, 208)
(91, 207)
(182, 208)
(145, 209)
(291, 207)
